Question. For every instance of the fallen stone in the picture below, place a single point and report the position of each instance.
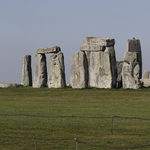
(131, 71)
(146, 74)
(107, 42)
(103, 71)
(40, 71)
(133, 45)
(56, 77)
(78, 71)
(8, 85)
(46, 50)
(26, 71)
(119, 72)
(145, 82)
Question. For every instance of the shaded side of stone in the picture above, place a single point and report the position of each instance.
(133, 45)
(119, 72)
(26, 71)
(146, 74)
(46, 50)
(78, 70)
(111, 51)
(40, 71)
(103, 71)
(131, 71)
(56, 77)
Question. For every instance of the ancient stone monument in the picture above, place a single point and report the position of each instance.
(131, 71)
(146, 74)
(78, 71)
(119, 71)
(40, 71)
(56, 77)
(133, 45)
(98, 61)
(26, 71)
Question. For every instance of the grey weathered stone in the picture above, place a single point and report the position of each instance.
(108, 42)
(93, 48)
(26, 71)
(131, 71)
(119, 72)
(145, 82)
(146, 74)
(46, 50)
(90, 56)
(111, 51)
(103, 71)
(56, 77)
(40, 72)
(7, 85)
(78, 71)
(133, 45)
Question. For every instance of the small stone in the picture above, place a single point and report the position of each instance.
(46, 50)
(146, 74)
(145, 82)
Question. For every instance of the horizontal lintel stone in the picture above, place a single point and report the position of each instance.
(46, 50)
(92, 48)
(108, 42)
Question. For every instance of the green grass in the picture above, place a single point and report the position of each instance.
(73, 102)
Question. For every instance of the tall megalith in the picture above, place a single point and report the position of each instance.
(56, 78)
(40, 72)
(26, 71)
(78, 70)
(133, 45)
(146, 74)
(131, 71)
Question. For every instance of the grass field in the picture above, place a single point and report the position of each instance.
(73, 102)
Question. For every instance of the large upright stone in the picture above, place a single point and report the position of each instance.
(26, 71)
(131, 71)
(119, 72)
(40, 72)
(78, 71)
(146, 74)
(133, 45)
(46, 50)
(103, 72)
(56, 77)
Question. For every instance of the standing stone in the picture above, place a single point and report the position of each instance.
(131, 71)
(103, 71)
(133, 45)
(56, 77)
(146, 74)
(40, 72)
(78, 71)
(111, 51)
(26, 71)
(119, 72)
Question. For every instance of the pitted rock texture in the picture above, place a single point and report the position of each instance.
(40, 72)
(26, 71)
(146, 74)
(103, 71)
(56, 77)
(78, 71)
(131, 71)
(46, 50)
(133, 45)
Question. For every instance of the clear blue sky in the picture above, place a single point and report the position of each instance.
(26, 25)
